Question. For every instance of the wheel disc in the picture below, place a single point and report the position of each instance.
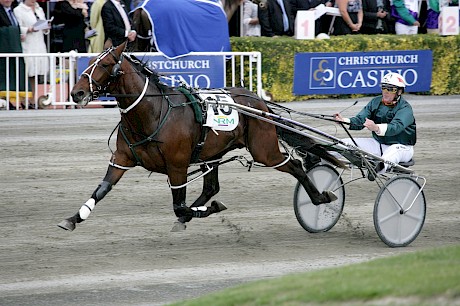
(399, 211)
(319, 218)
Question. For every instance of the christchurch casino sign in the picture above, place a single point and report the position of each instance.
(204, 71)
(360, 72)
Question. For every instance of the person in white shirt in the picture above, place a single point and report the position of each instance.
(406, 14)
(27, 14)
(251, 26)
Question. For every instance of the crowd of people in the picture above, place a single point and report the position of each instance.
(110, 19)
(24, 25)
(277, 17)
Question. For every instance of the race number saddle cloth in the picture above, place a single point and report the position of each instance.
(212, 115)
(217, 117)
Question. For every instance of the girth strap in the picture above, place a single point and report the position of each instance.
(196, 152)
(197, 109)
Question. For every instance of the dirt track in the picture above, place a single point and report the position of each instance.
(125, 254)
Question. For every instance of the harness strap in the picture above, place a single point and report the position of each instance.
(150, 138)
(199, 147)
(141, 96)
(119, 166)
(131, 146)
(194, 103)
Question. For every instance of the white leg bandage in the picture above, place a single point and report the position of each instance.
(86, 208)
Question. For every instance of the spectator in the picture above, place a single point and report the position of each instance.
(321, 24)
(377, 18)
(351, 18)
(251, 26)
(391, 120)
(96, 43)
(117, 25)
(432, 19)
(326, 20)
(11, 43)
(7, 17)
(275, 17)
(406, 16)
(28, 13)
(72, 13)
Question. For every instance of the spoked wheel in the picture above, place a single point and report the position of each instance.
(399, 211)
(319, 218)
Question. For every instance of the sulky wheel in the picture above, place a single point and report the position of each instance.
(399, 211)
(319, 218)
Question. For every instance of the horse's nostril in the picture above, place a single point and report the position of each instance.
(77, 95)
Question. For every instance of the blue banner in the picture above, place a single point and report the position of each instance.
(203, 71)
(360, 72)
(184, 26)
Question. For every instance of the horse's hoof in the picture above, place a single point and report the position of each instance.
(218, 206)
(67, 225)
(178, 226)
(331, 195)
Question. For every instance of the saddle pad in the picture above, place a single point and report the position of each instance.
(196, 108)
(219, 117)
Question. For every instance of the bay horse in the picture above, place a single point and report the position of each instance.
(158, 130)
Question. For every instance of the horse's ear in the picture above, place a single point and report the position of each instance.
(122, 47)
(108, 44)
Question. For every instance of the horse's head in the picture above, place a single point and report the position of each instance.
(142, 25)
(101, 72)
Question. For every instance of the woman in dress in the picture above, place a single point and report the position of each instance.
(73, 14)
(351, 18)
(32, 40)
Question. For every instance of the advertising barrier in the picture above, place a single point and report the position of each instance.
(360, 72)
(204, 71)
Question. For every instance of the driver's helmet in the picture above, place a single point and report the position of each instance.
(393, 80)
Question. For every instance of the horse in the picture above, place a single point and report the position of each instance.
(142, 25)
(159, 131)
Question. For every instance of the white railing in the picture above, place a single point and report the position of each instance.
(52, 90)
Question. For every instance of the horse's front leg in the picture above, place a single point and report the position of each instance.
(210, 188)
(198, 208)
(112, 176)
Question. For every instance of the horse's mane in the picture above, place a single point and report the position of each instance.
(142, 67)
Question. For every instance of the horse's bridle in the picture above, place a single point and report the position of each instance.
(116, 72)
(88, 72)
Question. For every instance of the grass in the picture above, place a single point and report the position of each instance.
(420, 278)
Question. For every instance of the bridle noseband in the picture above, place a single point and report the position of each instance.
(116, 71)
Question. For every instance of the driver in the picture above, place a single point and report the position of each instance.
(391, 120)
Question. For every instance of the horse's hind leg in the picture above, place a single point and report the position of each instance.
(294, 167)
(112, 176)
(270, 155)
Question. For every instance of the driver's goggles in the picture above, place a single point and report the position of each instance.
(389, 88)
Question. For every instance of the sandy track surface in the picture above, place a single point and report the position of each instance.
(125, 253)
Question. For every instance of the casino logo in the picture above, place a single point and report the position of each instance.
(322, 72)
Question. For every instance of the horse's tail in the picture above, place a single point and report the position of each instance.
(305, 144)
